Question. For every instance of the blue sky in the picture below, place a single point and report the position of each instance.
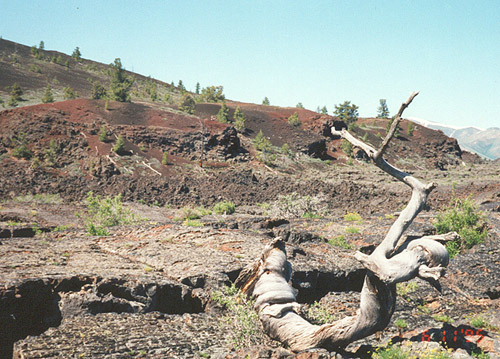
(320, 53)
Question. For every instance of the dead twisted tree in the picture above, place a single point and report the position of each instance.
(267, 279)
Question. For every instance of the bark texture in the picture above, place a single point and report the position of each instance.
(267, 279)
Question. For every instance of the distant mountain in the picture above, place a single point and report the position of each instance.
(485, 143)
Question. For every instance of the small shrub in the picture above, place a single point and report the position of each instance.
(410, 129)
(241, 317)
(119, 146)
(347, 148)
(47, 96)
(405, 288)
(295, 205)
(105, 212)
(69, 93)
(340, 241)
(35, 68)
(294, 120)
(285, 149)
(223, 114)
(187, 103)
(463, 217)
(164, 159)
(224, 207)
(192, 223)
(401, 323)
(193, 213)
(103, 134)
(318, 314)
(353, 217)
(239, 120)
(478, 322)
(22, 150)
(352, 230)
(442, 318)
(98, 91)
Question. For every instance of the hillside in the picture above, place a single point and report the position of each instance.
(485, 143)
(156, 282)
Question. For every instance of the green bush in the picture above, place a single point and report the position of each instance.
(69, 93)
(212, 94)
(187, 104)
(340, 241)
(294, 120)
(239, 120)
(119, 146)
(224, 207)
(103, 134)
(353, 217)
(319, 314)
(240, 317)
(164, 159)
(22, 150)
(347, 148)
(105, 212)
(47, 96)
(223, 114)
(464, 217)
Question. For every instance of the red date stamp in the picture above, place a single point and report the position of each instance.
(448, 336)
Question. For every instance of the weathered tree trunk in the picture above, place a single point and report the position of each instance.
(267, 279)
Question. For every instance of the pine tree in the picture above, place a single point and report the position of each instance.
(119, 146)
(197, 88)
(187, 103)
(77, 55)
(347, 112)
(69, 93)
(223, 114)
(294, 120)
(41, 46)
(47, 96)
(239, 120)
(383, 110)
(300, 105)
(120, 83)
(103, 134)
(15, 94)
(265, 101)
(324, 110)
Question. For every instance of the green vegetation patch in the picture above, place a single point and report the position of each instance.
(104, 212)
(464, 217)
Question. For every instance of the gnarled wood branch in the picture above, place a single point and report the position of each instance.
(267, 279)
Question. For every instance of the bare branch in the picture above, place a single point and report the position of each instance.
(267, 278)
(394, 125)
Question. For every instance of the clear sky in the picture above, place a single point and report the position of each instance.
(320, 53)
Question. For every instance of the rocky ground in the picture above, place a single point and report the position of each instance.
(147, 290)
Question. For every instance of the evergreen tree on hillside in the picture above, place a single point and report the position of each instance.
(41, 46)
(120, 83)
(300, 105)
(197, 91)
(223, 114)
(347, 112)
(239, 120)
(265, 101)
(77, 55)
(212, 94)
(324, 110)
(98, 91)
(47, 96)
(383, 109)
(187, 103)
